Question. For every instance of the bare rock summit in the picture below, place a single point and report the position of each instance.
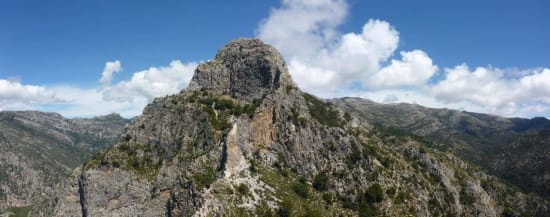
(246, 69)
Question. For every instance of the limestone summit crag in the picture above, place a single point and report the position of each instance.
(246, 69)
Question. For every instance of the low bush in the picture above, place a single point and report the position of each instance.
(374, 194)
(243, 189)
(301, 189)
(320, 182)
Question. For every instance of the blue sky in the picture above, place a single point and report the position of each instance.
(484, 56)
(68, 38)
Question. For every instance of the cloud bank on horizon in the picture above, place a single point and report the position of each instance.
(323, 61)
(126, 97)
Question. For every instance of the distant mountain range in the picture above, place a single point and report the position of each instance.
(515, 149)
(38, 150)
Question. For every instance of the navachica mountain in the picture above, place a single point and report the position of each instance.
(243, 140)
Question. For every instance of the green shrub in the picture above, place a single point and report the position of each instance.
(229, 190)
(320, 182)
(193, 98)
(367, 210)
(127, 137)
(285, 208)
(222, 104)
(327, 197)
(422, 150)
(369, 150)
(205, 178)
(264, 210)
(353, 158)
(401, 197)
(220, 122)
(207, 101)
(134, 163)
(124, 147)
(433, 204)
(347, 116)
(301, 189)
(487, 185)
(103, 162)
(391, 192)
(346, 202)
(322, 112)
(508, 212)
(144, 166)
(313, 212)
(243, 189)
(248, 109)
(20, 211)
(374, 194)
(465, 198)
(253, 166)
(302, 179)
(116, 164)
(228, 105)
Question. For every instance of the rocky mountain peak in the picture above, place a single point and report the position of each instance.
(244, 68)
(220, 148)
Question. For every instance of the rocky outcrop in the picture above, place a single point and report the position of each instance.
(244, 69)
(243, 140)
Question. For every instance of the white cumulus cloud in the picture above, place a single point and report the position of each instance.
(152, 82)
(82, 102)
(108, 71)
(415, 69)
(490, 88)
(323, 60)
(302, 27)
(14, 95)
(536, 85)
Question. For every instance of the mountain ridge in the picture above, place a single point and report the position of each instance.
(488, 140)
(39, 149)
(240, 142)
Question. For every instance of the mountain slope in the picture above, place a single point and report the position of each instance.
(243, 140)
(515, 149)
(38, 150)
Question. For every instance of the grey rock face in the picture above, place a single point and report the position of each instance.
(245, 69)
